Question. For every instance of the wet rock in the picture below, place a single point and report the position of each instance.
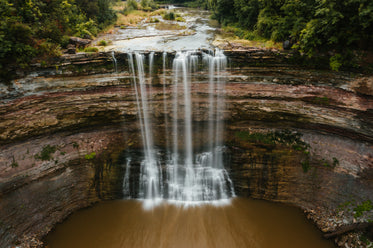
(82, 114)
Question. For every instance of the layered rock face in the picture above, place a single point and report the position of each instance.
(293, 135)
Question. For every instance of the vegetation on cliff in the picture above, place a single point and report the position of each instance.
(37, 28)
(311, 26)
(337, 29)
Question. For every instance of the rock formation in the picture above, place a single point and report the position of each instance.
(294, 135)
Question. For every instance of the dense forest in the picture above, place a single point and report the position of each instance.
(340, 29)
(337, 27)
(39, 28)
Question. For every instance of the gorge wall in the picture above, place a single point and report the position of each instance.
(293, 135)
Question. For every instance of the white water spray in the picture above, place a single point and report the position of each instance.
(191, 178)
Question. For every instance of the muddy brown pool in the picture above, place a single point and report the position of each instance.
(244, 223)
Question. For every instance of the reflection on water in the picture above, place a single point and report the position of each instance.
(245, 223)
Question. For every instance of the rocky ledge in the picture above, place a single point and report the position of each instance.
(296, 136)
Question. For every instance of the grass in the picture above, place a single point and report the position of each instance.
(91, 49)
(14, 164)
(247, 38)
(132, 19)
(127, 16)
(169, 26)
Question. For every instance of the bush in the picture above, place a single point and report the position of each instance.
(180, 19)
(86, 29)
(37, 29)
(336, 62)
(148, 5)
(49, 49)
(103, 43)
(169, 16)
(132, 5)
(91, 49)
(313, 27)
(154, 20)
(46, 153)
(90, 156)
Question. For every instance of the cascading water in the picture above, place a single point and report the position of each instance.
(190, 177)
(114, 61)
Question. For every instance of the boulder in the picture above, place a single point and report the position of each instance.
(79, 42)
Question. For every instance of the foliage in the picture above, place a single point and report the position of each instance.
(148, 5)
(169, 26)
(46, 153)
(102, 43)
(312, 26)
(131, 5)
(361, 210)
(38, 29)
(91, 49)
(169, 16)
(286, 137)
(90, 156)
(180, 19)
(363, 207)
(75, 145)
(321, 100)
(336, 62)
(153, 20)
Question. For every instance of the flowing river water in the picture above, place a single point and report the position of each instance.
(194, 180)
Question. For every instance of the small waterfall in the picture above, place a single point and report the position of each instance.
(165, 110)
(114, 61)
(149, 182)
(191, 177)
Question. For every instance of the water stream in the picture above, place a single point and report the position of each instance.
(185, 176)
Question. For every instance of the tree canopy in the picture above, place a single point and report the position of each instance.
(314, 26)
(30, 28)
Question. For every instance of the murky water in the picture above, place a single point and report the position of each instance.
(245, 223)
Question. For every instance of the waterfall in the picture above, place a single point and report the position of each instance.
(191, 176)
(149, 182)
(114, 61)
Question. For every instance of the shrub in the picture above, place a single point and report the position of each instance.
(103, 43)
(169, 16)
(180, 19)
(49, 49)
(148, 5)
(363, 207)
(86, 29)
(154, 20)
(91, 49)
(336, 62)
(90, 156)
(46, 153)
(132, 5)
